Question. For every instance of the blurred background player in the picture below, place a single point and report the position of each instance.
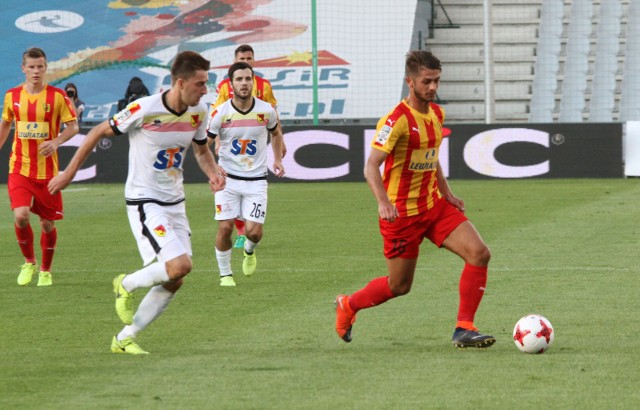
(161, 127)
(262, 90)
(72, 93)
(37, 109)
(415, 202)
(243, 125)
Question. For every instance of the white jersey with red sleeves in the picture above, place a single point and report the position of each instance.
(158, 142)
(243, 137)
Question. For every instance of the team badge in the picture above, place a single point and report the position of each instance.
(218, 208)
(46, 107)
(160, 231)
(195, 120)
(260, 118)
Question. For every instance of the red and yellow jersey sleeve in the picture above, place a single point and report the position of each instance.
(224, 92)
(412, 140)
(37, 119)
(262, 89)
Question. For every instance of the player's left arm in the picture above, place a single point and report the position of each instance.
(67, 112)
(277, 144)
(271, 99)
(445, 190)
(47, 148)
(208, 165)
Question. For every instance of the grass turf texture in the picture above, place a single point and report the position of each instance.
(566, 249)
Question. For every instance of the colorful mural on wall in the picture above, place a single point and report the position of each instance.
(100, 45)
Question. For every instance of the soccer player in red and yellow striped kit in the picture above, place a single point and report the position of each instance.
(38, 111)
(415, 202)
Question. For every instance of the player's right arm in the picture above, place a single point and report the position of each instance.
(62, 180)
(386, 209)
(5, 127)
(7, 119)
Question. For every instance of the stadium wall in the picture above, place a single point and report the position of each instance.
(338, 153)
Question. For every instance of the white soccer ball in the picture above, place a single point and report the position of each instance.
(533, 334)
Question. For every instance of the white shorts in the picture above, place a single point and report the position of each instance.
(161, 231)
(247, 199)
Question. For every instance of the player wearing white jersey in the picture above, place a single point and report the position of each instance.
(243, 125)
(161, 128)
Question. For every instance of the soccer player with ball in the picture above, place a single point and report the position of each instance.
(415, 202)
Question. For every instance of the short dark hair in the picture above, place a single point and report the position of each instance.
(417, 59)
(240, 65)
(243, 49)
(186, 64)
(33, 52)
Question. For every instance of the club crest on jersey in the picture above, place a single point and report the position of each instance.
(160, 231)
(46, 107)
(218, 208)
(260, 118)
(195, 120)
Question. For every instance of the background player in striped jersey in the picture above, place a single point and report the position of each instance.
(38, 110)
(262, 90)
(243, 125)
(415, 202)
(161, 128)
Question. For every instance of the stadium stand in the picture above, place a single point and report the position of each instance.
(603, 86)
(576, 65)
(630, 99)
(554, 60)
(547, 61)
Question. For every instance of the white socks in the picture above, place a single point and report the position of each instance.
(149, 276)
(249, 246)
(224, 261)
(152, 306)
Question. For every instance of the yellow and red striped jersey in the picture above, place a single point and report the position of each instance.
(412, 140)
(261, 89)
(37, 119)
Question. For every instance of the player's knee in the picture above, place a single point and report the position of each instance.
(254, 237)
(225, 230)
(179, 267)
(22, 219)
(481, 256)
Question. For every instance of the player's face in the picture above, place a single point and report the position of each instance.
(193, 88)
(424, 85)
(242, 83)
(246, 56)
(34, 70)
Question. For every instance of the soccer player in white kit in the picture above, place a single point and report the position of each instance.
(161, 128)
(243, 125)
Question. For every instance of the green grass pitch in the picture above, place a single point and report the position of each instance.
(566, 249)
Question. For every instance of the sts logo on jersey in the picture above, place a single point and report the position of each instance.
(169, 158)
(243, 147)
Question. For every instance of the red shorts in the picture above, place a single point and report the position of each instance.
(402, 237)
(33, 193)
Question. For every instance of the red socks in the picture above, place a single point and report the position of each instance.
(375, 293)
(48, 245)
(472, 283)
(25, 241)
(239, 226)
